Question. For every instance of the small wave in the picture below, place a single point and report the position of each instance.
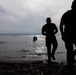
(5, 57)
(24, 50)
(9, 57)
(2, 42)
(21, 57)
(60, 52)
(38, 54)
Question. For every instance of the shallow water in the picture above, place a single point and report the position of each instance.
(22, 47)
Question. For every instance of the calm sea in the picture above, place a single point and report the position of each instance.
(22, 47)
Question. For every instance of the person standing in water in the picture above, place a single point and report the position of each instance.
(49, 30)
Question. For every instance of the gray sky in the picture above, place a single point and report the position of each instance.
(28, 16)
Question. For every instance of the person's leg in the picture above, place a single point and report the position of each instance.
(55, 45)
(69, 47)
(48, 45)
(74, 50)
(49, 53)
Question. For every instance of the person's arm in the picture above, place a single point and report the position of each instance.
(56, 30)
(61, 26)
(62, 30)
(43, 31)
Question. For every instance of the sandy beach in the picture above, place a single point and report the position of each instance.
(37, 67)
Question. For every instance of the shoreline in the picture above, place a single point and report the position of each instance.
(29, 68)
(34, 67)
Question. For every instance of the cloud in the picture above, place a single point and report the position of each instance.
(28, 16)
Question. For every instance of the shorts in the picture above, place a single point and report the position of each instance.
(51, 40)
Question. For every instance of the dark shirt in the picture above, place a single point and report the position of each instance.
(49, 29)
(69, 20)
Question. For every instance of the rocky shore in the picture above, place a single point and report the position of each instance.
(35, 68)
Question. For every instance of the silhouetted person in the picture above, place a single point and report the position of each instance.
(68, 32)
(49, 30)
(34, 38)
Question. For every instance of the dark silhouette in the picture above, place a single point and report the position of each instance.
(68, 32)
(49, 30)
(34, 38)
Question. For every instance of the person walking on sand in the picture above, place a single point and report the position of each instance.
(49, 30)
(68, 32)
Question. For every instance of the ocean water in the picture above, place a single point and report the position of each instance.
(22, 47)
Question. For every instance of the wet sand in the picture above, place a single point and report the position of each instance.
(35, 68)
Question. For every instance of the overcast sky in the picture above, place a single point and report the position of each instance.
(28, 16)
